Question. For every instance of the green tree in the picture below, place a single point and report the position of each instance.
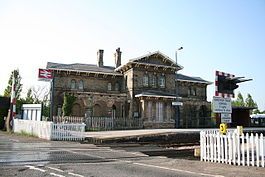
(29, 98)
(249, 102)
(239, 100)
(68, 103)
(18, 84)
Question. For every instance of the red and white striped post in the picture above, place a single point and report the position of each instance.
(13, 98)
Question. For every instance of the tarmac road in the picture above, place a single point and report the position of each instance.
(32, 157)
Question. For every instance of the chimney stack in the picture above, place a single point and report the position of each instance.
(100, 58)
(117, 56)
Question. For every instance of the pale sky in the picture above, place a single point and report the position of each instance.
(225, 35)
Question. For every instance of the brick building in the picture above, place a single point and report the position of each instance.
(143, 88)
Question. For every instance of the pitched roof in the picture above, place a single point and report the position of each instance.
(181, 77)
(139, 59)
(82, 68)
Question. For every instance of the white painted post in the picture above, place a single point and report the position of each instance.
(238, 149)
(218, 148)
(226, 147)
(257, 149)
(252, 149)
(222, 148)
(208, 146)
(234, 148)
(211, 146)
(247, 141)
(262, 150)
(202, 144)
(215, 147)
(230, 149)
(243, 149)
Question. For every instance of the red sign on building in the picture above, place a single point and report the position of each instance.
(45, 75)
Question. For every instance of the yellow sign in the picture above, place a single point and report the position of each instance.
(223, 128)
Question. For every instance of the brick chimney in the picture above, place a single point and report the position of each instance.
(100, 57)
(117, 56)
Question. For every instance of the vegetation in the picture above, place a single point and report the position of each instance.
(18, 84)
(68, 104)
(248, 102)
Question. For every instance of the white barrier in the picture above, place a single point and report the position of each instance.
(50, 131)
(232, 148)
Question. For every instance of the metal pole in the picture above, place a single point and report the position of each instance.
(51, 100)
(177, 121)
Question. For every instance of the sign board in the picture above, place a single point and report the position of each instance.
(226, 118)
(177, 103)
(222, 105)
(45, 75)
(223, 128)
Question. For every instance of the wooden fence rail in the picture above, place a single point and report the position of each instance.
(234, 149)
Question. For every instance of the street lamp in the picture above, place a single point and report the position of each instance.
(177, 121)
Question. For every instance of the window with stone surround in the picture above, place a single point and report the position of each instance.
(153, 81)
(162, 81)
(109, 86)
(73, 84)
(145, 80)
(81, 85)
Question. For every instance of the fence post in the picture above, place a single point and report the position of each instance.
(247, 141)
(252, 149)
(238, 149)
(234, 148)
(230, 149)
(262, 150)
(257, 149)
(243, 149)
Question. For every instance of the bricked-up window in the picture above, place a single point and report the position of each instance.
(109, 86)
(73, 84)
(145, 80)
(81, 85)
(162, 81)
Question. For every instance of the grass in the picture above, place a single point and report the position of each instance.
(24, 133)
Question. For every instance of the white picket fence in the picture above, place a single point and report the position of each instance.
(68, 132)
(233, 149)
(51, 131)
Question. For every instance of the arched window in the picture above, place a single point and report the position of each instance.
(81, 85)
(109, 86)
(73, 84)
(145, 80)
(162, 81)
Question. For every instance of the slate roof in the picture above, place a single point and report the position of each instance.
(182, 77)
(82, 68)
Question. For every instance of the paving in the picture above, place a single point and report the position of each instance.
(152, 135)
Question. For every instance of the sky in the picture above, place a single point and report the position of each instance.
(225, 35)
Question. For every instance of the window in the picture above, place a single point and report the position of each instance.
(153, 81)
(192, 91)
(81, 85)
(162, 81)
(117, 86)
(73, 84)
(145, 80)
(109, 86)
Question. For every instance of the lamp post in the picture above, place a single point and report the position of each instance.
(177, 121)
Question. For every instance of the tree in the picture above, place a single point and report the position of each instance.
(249, 102)
(239, 100)
(68, 103)
(18, 84)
